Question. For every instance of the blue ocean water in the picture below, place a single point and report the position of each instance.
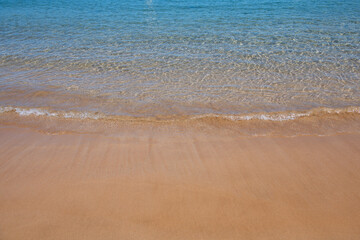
(157, 57)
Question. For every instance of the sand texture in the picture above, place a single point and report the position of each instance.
(178, 185)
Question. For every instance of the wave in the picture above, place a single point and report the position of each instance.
(317, 121)
(283, 116)
(263, 116)
(21, 111)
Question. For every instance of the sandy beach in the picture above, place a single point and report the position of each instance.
(180, 120)
(178, 185)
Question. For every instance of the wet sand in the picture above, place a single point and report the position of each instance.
(178, 185)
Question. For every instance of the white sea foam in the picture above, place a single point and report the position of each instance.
(276, 116)
(268, 117)
(260, 116)
(42, 112)
(81, 115)
(281, 116)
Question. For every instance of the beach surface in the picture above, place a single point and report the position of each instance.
(187, 120)
(184, 184)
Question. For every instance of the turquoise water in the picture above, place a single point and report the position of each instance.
(189, 57)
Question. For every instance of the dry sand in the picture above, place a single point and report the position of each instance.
(178, 185)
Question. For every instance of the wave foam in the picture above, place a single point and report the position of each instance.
(42, 112)
(281, 116)
(275, 116)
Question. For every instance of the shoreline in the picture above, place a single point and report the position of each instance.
(185, 184)
(313, 122)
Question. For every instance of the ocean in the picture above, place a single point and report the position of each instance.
(263, 59)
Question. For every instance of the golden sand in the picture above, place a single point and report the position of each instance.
(178, 185)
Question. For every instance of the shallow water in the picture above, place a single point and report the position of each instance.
(171, 58)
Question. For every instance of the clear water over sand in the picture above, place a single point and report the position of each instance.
(179, 58)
